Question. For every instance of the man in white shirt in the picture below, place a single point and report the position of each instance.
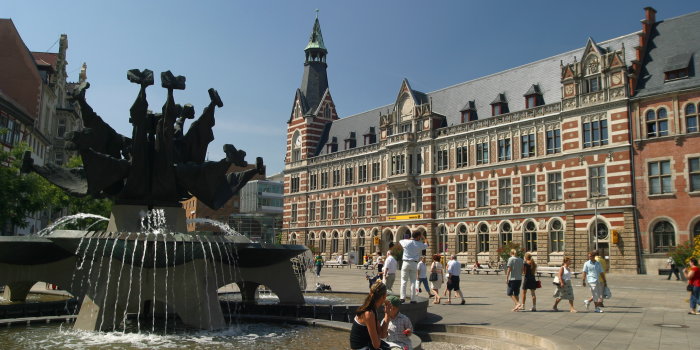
(389, 271)
(412, 249)
(453, 270)
(594, 275)
(423, 276)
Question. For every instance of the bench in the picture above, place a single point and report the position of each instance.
(553, 271)
(486, 270)
(335, 264)
(365, 266)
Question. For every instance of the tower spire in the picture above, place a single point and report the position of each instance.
(314, 83)
(316, 50)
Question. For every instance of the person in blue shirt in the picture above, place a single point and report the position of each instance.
(594, 275)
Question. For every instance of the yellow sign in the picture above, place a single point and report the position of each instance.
(405, 217)
(615, 237)
(376, 240)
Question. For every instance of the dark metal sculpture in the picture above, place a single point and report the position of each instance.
(160, 165)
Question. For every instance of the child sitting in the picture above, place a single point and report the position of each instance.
(400, 327)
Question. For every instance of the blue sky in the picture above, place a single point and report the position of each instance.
(252, 51)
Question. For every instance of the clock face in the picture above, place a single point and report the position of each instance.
(298, 142)
(616, 79)
(406, 108)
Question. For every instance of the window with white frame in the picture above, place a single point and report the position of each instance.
(295, 184)
(348, 207)
(482, 193)
(596, 181)
(336, 177)
(483, 238)
(530, 236)
(313, 181)
(462, 156)
(405, 201)
(482, 153)
(595, 132)
(506, 233)
(462, 196)
(694, 173)
(375, 204)
(376, 172)
(657, 122)
(504, 192)
(442, 197)
(691, 118)
(336, 209)
(334, 243)
(442, 160)
(361, 206)
(504, 150)
(664, 236)
(312, 211)
(324, 210)
(660, 177)
(529, 189)
(362, 173)
(324, 179)
(554, 188)
(389, 203)
(462, 241)
(349, 175)
(527, 146)
(553, 141)
(556, 236)
(294, 212)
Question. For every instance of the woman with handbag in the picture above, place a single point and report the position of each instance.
(564, 288)
(692, 273)
(529, 281)
(436, 278)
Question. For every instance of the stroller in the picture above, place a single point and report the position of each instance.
(372, 279)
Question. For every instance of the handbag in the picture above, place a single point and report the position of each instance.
(689, 288)
(538, 284)
(433, 277)
(607, 294)
(556, 281)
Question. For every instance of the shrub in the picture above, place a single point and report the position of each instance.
(504, 251)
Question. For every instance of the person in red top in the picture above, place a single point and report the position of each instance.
(692, 273)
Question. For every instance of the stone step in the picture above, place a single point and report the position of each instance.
(476, 340)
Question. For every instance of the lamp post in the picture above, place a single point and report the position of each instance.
(444, 227)
(594, 198)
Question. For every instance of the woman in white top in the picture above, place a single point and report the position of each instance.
(436, 268)
(564, 288)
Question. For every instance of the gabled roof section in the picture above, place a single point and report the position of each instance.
(326, 93)
(592, 46)
(46, 59)
(533, 90)
(673, 43)
(299, 96)
(470, 106)
(415, 95)
(500, 98)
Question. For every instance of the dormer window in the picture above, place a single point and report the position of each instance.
(533, 97)
(350, 142)
(499, 105)
(592, 84)
(469, 112)
(332, 147)
(677, 67)
(370, 137)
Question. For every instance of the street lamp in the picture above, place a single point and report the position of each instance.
(595, 197)
(444, 227)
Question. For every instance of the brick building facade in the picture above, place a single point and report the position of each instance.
(540, 155)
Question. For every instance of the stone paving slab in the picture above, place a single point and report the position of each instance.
(630, 320)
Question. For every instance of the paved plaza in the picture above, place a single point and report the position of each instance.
(632, 318)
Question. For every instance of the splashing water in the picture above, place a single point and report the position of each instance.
(224, 227)
(70, 219)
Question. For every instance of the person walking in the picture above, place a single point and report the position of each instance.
(380, 262)
(436, 272)
(453, 270)
(389, 271)
(674, 269)
(530, 282)
(318, 262)
(565, 290)
(423, 276)
(514, 277)
(692, 274)
(594, 275)
(412, 249)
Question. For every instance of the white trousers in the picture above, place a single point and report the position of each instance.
(409, 271)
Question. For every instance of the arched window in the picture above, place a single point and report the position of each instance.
(361, 240)
(556, 236)
(334, 243)
(601, 232)
(346, 242)
(506, 233)
(691, 118)
(293, 238)
(657, 123)
(462, 246)
(664, 236)
(483, 238)
(311, 240)
(530, 236)
(696, 230)
(322, 244)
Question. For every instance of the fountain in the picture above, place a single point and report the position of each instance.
(146, 263)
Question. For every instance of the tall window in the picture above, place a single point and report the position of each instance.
(483, 237)
(593, 84)
(324, 210)
(361, 242)
(398, 164)
(530, 236)
(324, 179)
(556, 236)
(336, 208)
(442, 160)
(462, 156)
(294, 212)
(348, 207)
(691, 118)
(312, 211)
(503, 150)
(595, 133)
(376, 173)
(349, 176)
(61, 127)
(362, 173)
(313, 181)
(336, 177)
(361, 206)
(482, 153)
(462, 196)
(660, 177)
(462, 242)
(527, 145)
(404, 199)
(334, 243)
(529, 190)
(554, 190)
(346, 241)
(694, 173)
(419, 163)
(482, 193)
(389, 203)
(553, 141)
(441, 197)
(657, 123)
(295, 184)
(375, 204)
(504, 192)
(664, 236)
(596, 180)
(506, 233)
(419, 199)
(322, 244)
(696, 230)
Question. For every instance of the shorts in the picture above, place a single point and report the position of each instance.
(597, 291)
(453, 283)
(513, 287)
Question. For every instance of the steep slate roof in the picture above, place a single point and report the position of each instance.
(514, 83)
(673, 42)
